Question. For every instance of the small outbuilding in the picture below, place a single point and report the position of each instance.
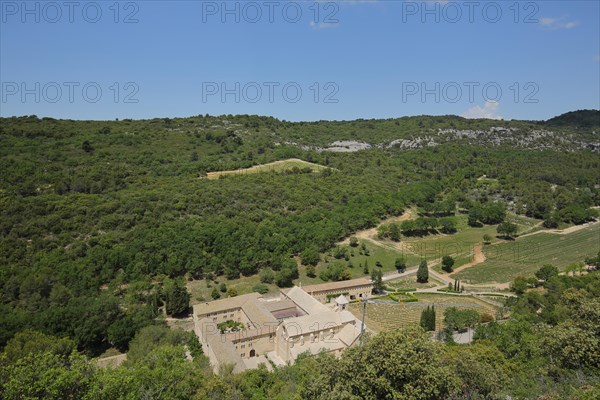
(341, 302)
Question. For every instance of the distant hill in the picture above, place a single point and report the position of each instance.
(222, 138)
(579, 118)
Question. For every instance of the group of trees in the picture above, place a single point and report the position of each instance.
(335, 271)
(456, 287)
(575, 213)
(489, 213)
(418, 227)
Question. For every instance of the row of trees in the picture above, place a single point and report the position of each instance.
(418, 227)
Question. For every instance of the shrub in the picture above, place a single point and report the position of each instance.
(260, 288)
(267, 275)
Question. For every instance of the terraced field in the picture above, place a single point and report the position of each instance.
(380, 317)
(526, 255)
(277, 166)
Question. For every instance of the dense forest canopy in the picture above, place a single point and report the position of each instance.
(90, 205)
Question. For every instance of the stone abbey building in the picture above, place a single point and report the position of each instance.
(278, 329)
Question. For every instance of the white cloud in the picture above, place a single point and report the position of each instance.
(554, 24)
(489, 111)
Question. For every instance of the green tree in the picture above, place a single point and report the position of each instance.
(163, 373)
(47, 376)
(424, 320)
(400, 264)
(460, 320)
(34, 343)
(447, 263)
(394, 232)
(484, 370)
(507, 229)
(310, 256)
(546, 272)
(427, 321)
(311, 271)
(365, 372)
(520, 285)
(151, 337)
(285, 277)
(215, 294)
(552, 221)
(335, 272)
(423, 272)
(448, 225)
(353, 241)
(267, 275)
(432, 318)
(377, 279)
(177, 297)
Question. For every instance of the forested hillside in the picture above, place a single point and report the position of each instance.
(101, 220)
(548, 354)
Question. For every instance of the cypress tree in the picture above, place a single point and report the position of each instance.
(424, 322)
(428, 318)
(423, 272)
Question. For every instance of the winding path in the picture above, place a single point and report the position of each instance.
(565, 231)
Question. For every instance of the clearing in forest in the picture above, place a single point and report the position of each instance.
(277, 166)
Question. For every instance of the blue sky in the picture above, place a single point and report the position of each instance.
(353, 59)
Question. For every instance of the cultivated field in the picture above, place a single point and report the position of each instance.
(277, 166)
(381, 317)
(460, 244)
(526, 255)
